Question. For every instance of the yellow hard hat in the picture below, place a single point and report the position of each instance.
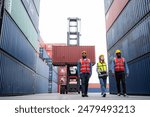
(118, 51)
(101, 55)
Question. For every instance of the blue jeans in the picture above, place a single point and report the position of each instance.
(103, 84)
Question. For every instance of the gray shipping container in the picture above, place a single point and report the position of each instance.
(107, 4)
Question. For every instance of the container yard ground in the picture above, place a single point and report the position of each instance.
(73, 96)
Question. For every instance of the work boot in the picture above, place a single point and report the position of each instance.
(124, 94)
(118, 94)
(86, 96)
(83, 95)
(104, 95)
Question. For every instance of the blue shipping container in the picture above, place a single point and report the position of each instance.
(41, 84)
(42, 68)
(15, 78)
(54, 87)
(130, 16)
(14, 42)
(55, 74)
(44, 54)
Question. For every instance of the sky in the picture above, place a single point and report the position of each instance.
(53, 24)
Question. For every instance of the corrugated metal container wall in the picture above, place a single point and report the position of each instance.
(41, 84)
(114, 11)
(66, 54)
(42, 68)
(14, 42)
(17, 11)
(15, 78)
(32, 12)
(54, 87)
(131, 15)
(107, 4)
(49, 45)
(139, 36)
(55, 74)
(37, 5)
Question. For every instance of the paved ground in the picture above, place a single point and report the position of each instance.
(73, 96)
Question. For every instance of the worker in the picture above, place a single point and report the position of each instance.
(102, 74)
(120, 71)
(84, 72)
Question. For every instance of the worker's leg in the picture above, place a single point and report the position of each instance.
(123, 83)
(87, 83)
(118, 83)
(82, 76)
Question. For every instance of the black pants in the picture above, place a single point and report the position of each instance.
(120, 78)
(85, 81)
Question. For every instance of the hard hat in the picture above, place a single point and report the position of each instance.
(118, 51)
(83, 52)
(101, 55)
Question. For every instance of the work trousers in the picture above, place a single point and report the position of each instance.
(85, 81)
(120, 79)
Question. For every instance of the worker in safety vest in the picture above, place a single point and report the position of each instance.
(102, 74)
(120, 71)
(84, 72)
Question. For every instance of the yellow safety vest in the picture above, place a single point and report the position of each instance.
(101, 67)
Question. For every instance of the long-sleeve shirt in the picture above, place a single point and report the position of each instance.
(78, 68)
(113, 67)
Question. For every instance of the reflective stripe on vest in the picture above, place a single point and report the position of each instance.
(101, 66)
(85, 66)
(119, 64)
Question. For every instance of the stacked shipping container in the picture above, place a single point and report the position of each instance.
(20, 67)
(128, 30)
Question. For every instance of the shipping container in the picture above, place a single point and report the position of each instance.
(15, 43)
(31, 10)
(17, 11)
(67, 55)
(62, 70)
(138, 37)
(130, 16)
(42, 68)
(15, 78)
(54, 87)
(49, 45)
(107, 4)
(55, 74)
(37, 5)
(41, 84)
(114, 11)
(138, 81)
(43, 54)
(49, 52)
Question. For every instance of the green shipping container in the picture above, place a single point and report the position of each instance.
(17, 11)
(37, 5)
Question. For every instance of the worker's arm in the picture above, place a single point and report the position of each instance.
(78, 69)
(91, 68)
(126, 68)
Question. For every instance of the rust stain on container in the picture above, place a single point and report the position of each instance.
(114, 11)
(63, 55)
